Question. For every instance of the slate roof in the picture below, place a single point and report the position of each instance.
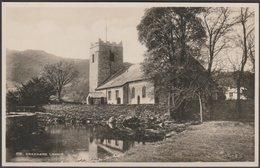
(129, 74)
(96, 94)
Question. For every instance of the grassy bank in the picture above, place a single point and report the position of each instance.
(219, 141)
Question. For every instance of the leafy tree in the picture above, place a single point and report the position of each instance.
(12, 100)
(173, 37)
(35, 92)
(59, 75)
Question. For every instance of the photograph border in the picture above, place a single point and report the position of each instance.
(254, 4)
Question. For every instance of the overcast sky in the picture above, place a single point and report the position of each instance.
(68, 31)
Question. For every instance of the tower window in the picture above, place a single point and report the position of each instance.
(133, 92)
(93, 58)
(112, 56)
(144, 91)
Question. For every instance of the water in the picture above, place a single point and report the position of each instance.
(28, 140)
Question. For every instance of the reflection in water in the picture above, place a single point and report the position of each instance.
(28, 141)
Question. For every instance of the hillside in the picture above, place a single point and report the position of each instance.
(21, 66)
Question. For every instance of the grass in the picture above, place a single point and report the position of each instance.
(216, 141)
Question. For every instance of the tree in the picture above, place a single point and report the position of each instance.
(172, 35)
(36, 91)
(251, 47)
(243, 43)
(218, 22)
(59, 75)
(12, 100)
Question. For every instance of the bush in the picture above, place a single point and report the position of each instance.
(12, 100)
(35, 92)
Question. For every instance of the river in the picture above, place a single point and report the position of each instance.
(30, 140)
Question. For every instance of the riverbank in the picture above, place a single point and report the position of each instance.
(216, 141)
(165, 140)
(139, 122)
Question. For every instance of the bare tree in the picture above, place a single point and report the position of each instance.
(251, 47)
(243, 42)
(218, 22)
(59, 75)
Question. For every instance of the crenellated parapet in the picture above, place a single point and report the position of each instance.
(106, 43)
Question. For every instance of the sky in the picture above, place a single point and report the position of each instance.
(69, 31)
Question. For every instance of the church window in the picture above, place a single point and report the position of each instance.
(93, 57)
(133, 92)
(117, 94)
(109, 95)
(231, 95)
(144, 91)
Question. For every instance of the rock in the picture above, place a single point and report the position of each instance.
(152, 118)
(131, 122)
(181, 129)
(154, 135)
(120, 119)
(168, 122)
(171, 134)
(111, 120)
(152, 131)
(161, 125)
(111, 125)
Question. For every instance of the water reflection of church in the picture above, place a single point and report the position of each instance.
(98, 148)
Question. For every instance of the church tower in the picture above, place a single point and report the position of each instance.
(106, 58)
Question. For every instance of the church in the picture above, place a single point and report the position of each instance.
(111, 81)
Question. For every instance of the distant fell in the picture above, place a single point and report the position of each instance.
(21, 66)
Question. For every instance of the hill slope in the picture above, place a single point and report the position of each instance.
(21, 66)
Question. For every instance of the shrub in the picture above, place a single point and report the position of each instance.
(35, 92)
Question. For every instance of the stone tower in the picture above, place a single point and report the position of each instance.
(106, 58)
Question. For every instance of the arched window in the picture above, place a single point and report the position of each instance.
(144, 91)
(93, 57)
(133, 92)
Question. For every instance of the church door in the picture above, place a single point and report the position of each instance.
(118, 100)
(138, 99)
(102, 100)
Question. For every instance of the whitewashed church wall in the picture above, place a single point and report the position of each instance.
(148, 99)
(113, 99)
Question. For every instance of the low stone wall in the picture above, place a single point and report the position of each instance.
(104, 112)
(222, 110)
(226, 110)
